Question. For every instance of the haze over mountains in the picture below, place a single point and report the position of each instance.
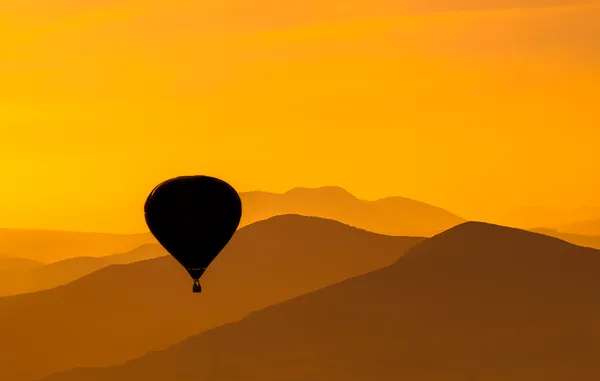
(476, 302)
(8, 263)
(577, 239)
(392, 215)
(50, 245)
(533, 217)
(39, 276)
(123, 311)
(316, 68)
(11, 270)
(591, 227)
(476, 106)
(74, 254)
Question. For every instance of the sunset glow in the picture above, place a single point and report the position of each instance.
(478, 112)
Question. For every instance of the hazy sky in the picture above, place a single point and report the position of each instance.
(476, 112)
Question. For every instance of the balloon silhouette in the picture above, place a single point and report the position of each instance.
(193, 218)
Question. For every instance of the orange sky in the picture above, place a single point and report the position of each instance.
(476, 112)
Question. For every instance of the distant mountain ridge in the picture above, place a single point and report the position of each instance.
(11, 270)
(8, 263)
(80, 323)
(65, 271)
(74, 254)
(391, 215)
(55, 245)
(532, 217)
(576, 239)
(476, 302)
(39, 276)
(589, 227)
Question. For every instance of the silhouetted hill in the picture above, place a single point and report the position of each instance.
(8, 263)
(43, 277)
(477, 302)
(11, 270)
(148, 251)
(576, 239)
(51, 246)
(393, 215)
(123, 311)
(65, 271)
(590, 227)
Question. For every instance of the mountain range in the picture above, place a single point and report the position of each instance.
(577, 239)
(54, 245)
(588, 227)
(73, 255)
(529, 217)
(33, 276)
(8, 263)
(83, 253)
(476, 302)
(392, 215)
(11, 270)
(121, 312)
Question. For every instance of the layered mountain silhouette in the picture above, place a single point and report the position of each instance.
(392, 215)
(530, 217)
(35, 276)
(123, 311)
(477, 302)
(589, 227)
(11, 270)
(576, 239)
(8, 263)
(65, 271)
(51, 246)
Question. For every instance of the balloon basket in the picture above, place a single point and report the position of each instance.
(196, 289)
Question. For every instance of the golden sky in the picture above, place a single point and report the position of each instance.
(474, 111)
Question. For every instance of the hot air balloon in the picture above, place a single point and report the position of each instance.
(193, 218)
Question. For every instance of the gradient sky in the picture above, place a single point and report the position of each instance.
(476, 111)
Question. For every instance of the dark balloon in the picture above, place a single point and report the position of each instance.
(193, 218)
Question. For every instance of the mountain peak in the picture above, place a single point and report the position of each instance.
(392, 216)
(329, 191)
(481, 249)
(297, 219)
(480, 231)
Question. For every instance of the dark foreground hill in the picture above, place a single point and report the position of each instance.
(123, 311)
(477, 302)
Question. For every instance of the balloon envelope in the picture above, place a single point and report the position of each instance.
(193, 218)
